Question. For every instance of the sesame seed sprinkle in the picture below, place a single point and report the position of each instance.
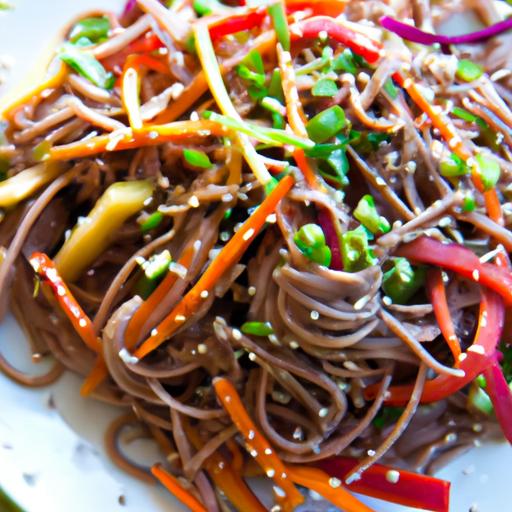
(315, 315)
(271, 472)
(248, 234)
(392, 476)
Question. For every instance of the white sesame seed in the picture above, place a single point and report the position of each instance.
(315, 315)
(477, 427)
(361, 303)
(251, 291)
(462, 356)
(236, 334)
(387, 300)
(82, 322)
(451, 437)
(180, 318)
(194, 116)
(251, 434)
(268, 451)
(392, 476)
(204, 294)
(252, 356)
(253, 453)
(476, 275)
(294, 345)
(371, 453)
(154, 332)
(271, 219)
(271, 472)
(193, 201)
(278, 491)
(226, 198)
(477, 349)
(126, 357)
(298, 434)
(380, 182)
(334, 482)
(202, 348)
(274, 340)
(322, 35)
(224, 236)
(323, 412)
(178, 269)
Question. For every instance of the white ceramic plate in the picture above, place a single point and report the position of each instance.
(52, 459)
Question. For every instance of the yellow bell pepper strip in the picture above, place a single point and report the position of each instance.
(228, 256)
(91, 237)
(285, 491)
(172, 484)
(178, 131)
(328, 487)
(45, 268)
(213, 76)
(21, 186)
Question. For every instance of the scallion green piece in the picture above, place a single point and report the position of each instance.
(310, 239)
(95, 29)
(275, 88)
(390, 88)
(402, 280)
(468, 116)
(278, 15)
(479, 400)
(197, 158)
(366, 213)
(356, 253)
(205, 7)
(345, 62)
(257, 328)
(86, 65)
(453, 166)
(489, 171)
(326, 124)
(468, 203)
(152, 222)
(41, 152)
(325, 87)
(155, 268)
(468, 70)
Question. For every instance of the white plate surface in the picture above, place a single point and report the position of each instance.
(52, 459)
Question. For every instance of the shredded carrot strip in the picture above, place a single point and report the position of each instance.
(455, 143)
(46, 269)
(172, 484)
(52, 82)
(227, 257)
(172, 132)
(437, 293)
(306, 169)
(226, 475)
(294, 111)
(287, 495)
(134, 330)
(328, 487)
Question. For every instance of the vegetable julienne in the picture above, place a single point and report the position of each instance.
(277, 214)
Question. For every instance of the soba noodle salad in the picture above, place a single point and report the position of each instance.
(277, 233)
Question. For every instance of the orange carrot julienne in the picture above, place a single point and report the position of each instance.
(328, 487)
(227, 257)
(46, 269)
(305, 169)
(97, 375)
(178, 131)
(285, 491)
(172, 484)
(226, 476)
(437, 292)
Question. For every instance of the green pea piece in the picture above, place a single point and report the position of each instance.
(326, 124)
(356, 253)
(402, 280)
(197, 158)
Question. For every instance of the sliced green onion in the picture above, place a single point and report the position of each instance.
(278, 121)
(257, 328)
(468, 116)
(356, 253)
(325, 87)
(489, 171)
(402, 280)
(95, 29)
(324, 150)
(153, 221)
(154, 270)
(345, 62)
(205, 7)
(272, 105)
(326, 124)
(468, 70)
(322, 62)
(86, 65)
(275, 88)
(197, 158)
(310, 239)
(278, 15)
(468, 203)
(244, 72)
(338, 167)
(481, 381)
(390, 88)
(453, 166)
(261, 133)
(41, 152)
(386, 416)
(366, 213)
(478, 400)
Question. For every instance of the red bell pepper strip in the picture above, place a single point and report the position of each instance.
(237, 23)
(474, 361)
(331, 238)
(45, 268)
(437, 294)
(359, 43)
(378, 481)
(461, 260)
(501, 397)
